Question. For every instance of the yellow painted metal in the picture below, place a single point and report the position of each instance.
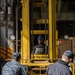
(73, 69)
(25, 36)
(31, 72)
(40, 21)
(25, 48)
(42, 68)
(72, 65)
(39, 56)
(52, 28)
(37, 64)
(39, 32)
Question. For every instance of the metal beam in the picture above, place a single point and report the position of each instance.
(39, 32)
(25, 44)
(52, 28)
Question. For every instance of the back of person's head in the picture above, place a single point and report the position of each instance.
(69, 54)
(40, 38)
(16, 56)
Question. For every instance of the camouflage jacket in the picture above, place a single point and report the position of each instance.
(13, 68)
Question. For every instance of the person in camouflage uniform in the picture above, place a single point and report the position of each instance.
(13, 67)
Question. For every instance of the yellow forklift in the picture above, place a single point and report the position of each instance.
(32, 26)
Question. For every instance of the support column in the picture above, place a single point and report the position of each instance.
(52, 29)
(25, 44)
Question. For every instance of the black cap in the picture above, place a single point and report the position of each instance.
(16, 55)
(69, 54)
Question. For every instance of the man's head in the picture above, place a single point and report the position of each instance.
(68, 56)
(16, 56)
(40, 39)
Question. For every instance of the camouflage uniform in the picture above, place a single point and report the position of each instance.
(13, 68)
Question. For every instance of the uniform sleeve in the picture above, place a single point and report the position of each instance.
(69, 73)
(24, 70)
(47, 69)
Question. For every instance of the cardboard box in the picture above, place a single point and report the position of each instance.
(73, 44)
(67, 45)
